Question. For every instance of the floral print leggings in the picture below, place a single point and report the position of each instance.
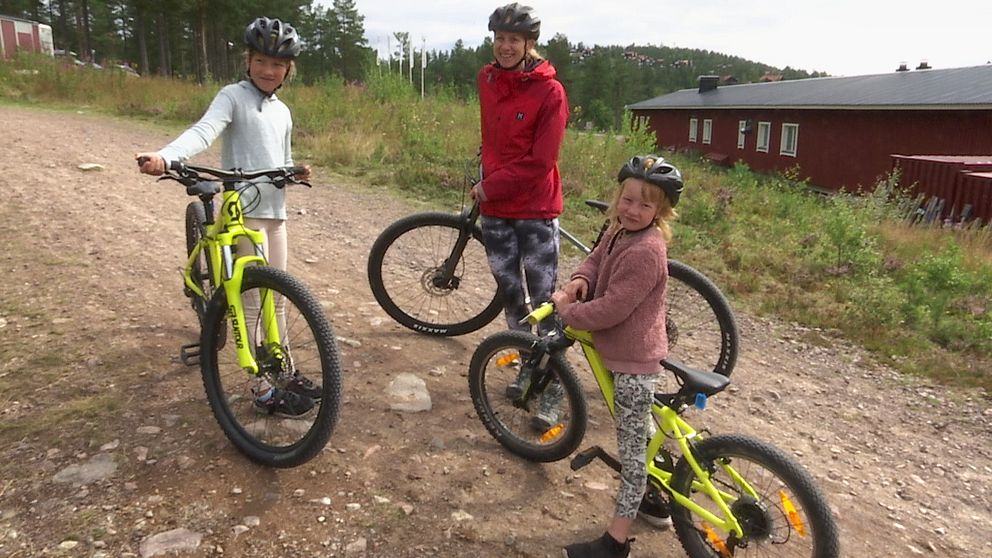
(632, 401)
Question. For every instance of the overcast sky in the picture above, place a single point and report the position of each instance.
(840, 37)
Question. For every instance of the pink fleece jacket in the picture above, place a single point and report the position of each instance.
(627, 275)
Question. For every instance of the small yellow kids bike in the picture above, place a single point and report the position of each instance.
(262, 331)
(730, 495)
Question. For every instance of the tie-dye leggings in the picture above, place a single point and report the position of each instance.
(532, 243)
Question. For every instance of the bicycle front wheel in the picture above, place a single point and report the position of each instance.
(202, 268)
(307, 350)
(702, 331)
(549, 425)
(777, 503)
(406, 274)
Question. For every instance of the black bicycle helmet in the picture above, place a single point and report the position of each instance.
(655, 170)
(516, 19)
(272, 37)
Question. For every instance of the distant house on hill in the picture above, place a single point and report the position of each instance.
(839, 131)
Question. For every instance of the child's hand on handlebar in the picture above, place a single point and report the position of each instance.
(304, 176)
(561, 299)
(150, 163)
(575, 290)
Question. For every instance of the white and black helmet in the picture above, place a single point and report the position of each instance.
(516, 19)
(272, 37)
(654, 169)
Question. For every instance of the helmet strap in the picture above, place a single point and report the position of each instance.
(517, 66)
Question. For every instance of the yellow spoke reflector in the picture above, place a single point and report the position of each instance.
(552, 432)
(716, 541)
(505, 360)
(790, 511)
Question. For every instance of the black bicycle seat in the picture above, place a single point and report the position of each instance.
(695, 380)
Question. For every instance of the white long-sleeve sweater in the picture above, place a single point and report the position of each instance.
(255, 129)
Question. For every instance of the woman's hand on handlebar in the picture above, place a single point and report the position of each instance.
(150, 163)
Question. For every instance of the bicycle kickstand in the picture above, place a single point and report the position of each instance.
(586, 457)
(190, 354)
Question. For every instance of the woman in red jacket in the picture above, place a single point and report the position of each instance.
(524, 113)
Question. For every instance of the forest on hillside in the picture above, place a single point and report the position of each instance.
(201, 40)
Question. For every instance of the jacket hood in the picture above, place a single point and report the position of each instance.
(508, 82)
(541, 71)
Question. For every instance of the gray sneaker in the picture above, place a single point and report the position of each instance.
(516, 388)
(549, 410)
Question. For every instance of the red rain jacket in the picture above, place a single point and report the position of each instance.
(523, 123)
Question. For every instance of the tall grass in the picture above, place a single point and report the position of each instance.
(920, 298)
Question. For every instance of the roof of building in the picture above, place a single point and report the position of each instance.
(952, 88)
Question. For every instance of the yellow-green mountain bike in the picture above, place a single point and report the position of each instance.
(730, 495)
(260, 327)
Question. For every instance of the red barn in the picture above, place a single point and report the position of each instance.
(21, 34)
(839, 132)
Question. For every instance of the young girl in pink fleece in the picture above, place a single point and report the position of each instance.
(624, 281)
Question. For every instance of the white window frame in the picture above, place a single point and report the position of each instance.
(708, 131)
(693, 124)
(764, 136)
(787, 147)
(740, 133)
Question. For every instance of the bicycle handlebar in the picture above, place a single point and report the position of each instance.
(539, 314)
(187, 170)
(190, 175)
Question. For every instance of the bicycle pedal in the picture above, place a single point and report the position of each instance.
(190, 354)
(586, 457)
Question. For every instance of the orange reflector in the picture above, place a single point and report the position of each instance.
(552, 433)
(715, 541)
(505, 360)
(790, 511)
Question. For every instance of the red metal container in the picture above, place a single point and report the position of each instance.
(941, 176)
(976, 189)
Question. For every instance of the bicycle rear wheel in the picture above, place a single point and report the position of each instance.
(405, 273)
(495, 365)
(202, 268)
(778, 504)
(308, 348)
(702, 331)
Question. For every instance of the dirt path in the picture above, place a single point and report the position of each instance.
(92, 315)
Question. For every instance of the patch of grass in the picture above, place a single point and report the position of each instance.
(54, 420)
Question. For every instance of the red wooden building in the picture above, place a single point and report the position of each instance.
(21, 34)
(840, 132)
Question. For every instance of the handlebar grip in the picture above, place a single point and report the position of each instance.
(540, 313)
(177, 166)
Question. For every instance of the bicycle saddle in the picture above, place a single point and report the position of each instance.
(695, 380)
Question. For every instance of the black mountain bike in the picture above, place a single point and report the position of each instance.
(429, 272)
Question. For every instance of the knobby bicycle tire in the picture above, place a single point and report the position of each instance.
(495, 364)
(309, 349)
(202, 269)
(701, 333)
(403, 272)
(790, 517)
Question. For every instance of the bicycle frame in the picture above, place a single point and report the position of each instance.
(219, 242)
(670, 425)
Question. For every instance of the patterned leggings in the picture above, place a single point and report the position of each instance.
(532, 243)
(632, 400)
